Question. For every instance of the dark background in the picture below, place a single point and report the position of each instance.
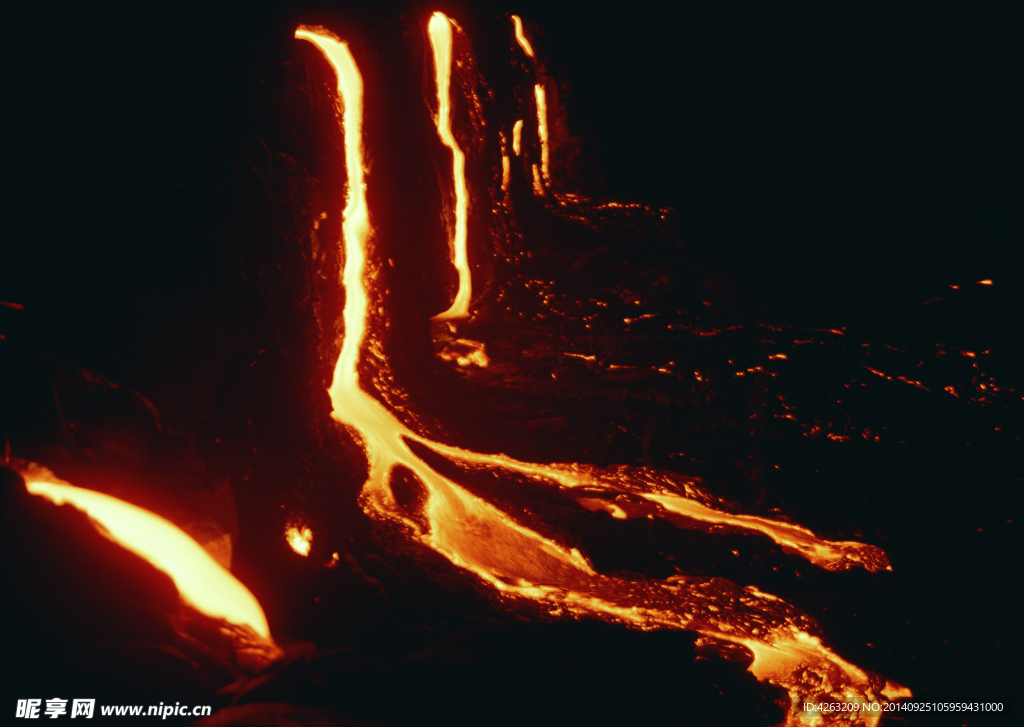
(845, 165)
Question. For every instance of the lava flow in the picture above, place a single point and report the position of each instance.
(540, 95)
(523, 565)
(440, 30)
(202, 582)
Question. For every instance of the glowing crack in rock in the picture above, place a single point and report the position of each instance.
(520, 563)
(440, 31)
(202, 582)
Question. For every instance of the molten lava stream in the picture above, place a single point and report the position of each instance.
(542, 130)
(522, 564)
(202, 582)
(517, 25)
(440, 31)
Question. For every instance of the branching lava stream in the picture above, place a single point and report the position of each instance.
(520, 563)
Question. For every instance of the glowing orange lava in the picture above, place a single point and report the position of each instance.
(506, 165)
(355, 224)
(517, 136)
(520, 563)
(542, 130)
(538, 185)
(466, 352)
(300, 539)
(440, 30)
(202, 582)
(542, 113)
(517, 23)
